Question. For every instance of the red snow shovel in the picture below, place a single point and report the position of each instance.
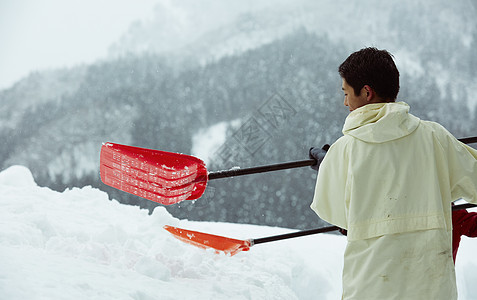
(169, 178)
(233, 246)
(166, 177)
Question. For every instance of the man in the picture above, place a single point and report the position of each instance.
(390, 181)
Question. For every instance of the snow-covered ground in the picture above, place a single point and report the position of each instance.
(79, 245)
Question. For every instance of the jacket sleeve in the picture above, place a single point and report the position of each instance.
(330, 198)
(462, 163)
(465, 223)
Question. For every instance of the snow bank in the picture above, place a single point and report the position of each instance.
(80, 245)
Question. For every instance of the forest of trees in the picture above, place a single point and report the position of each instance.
(289, 90)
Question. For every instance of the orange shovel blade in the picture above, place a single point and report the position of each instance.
(205, 240)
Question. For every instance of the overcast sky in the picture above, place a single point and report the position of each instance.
(41, 34)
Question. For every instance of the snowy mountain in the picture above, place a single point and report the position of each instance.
(436, 39)
(77, 244)
(186, 73)
(37, 90)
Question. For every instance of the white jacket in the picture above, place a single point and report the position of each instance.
(390, 181)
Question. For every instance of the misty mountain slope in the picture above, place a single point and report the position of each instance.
(61, 142)
(37, 89)
(439, 36)
(138, 101)
(286, 92)
(175, 25)
(247, 86)
(238, 86)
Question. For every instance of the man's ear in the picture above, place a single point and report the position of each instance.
(370, 94)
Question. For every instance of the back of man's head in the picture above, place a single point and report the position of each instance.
(373, 67)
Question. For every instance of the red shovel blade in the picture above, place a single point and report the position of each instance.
(160, 176)
(205, 240)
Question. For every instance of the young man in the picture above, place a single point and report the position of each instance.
(390, 181)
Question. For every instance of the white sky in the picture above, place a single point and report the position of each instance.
(41, 34)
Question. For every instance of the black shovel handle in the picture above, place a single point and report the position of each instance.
(260, 169)
(287, 165)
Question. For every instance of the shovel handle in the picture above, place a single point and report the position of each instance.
(289, 165)
(260, 169)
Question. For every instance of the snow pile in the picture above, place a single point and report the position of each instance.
(80, 245)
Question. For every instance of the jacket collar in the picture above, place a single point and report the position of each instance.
(380, 122)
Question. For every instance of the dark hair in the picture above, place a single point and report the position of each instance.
(373, 67)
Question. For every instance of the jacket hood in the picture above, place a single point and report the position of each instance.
(380, 122)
